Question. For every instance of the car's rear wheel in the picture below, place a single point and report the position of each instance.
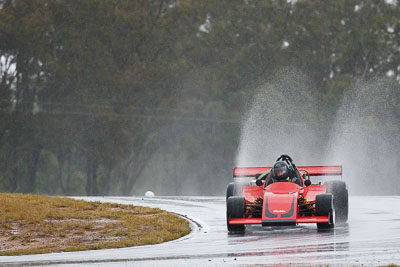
(340, 199)
(230, 191)
(235, 208)
(234, 189)
(324, 207)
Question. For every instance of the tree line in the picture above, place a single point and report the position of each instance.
(95, 95)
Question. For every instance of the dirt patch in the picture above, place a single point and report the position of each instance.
(26, 237)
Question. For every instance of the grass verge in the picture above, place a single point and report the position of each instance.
(32, 224)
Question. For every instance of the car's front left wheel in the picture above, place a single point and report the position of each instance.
(324, 207)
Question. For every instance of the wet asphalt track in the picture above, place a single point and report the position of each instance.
(371, 237)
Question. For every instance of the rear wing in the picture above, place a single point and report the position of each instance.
(311, 170)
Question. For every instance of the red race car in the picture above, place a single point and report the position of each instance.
(288, 201)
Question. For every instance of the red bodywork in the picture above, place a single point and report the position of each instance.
(283, 203)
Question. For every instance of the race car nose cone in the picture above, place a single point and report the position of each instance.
(149, 194)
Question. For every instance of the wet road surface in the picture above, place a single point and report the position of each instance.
(371, 237)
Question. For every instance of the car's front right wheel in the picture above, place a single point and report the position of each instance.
(235, 208)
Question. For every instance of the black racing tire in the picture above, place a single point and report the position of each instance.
(235, 208)
(324, 207)
(233, 189)
(340, 199)
(230, 191)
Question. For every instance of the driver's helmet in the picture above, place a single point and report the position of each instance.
(280, 170)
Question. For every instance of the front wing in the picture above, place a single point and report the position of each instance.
(311, 219)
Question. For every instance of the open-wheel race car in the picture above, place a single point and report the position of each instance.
(268, 201)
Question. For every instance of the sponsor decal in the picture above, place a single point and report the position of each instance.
(279, 211)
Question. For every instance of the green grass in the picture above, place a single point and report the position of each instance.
(32, 224)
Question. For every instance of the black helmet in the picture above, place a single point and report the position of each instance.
(280, 170)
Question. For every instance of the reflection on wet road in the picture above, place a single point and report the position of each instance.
(371, 237)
